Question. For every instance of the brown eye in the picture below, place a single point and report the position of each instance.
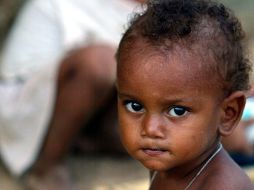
(178, 111)
(134, 107)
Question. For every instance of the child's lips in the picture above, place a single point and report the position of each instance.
(153, 151)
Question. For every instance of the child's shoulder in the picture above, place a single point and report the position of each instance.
(224, 173)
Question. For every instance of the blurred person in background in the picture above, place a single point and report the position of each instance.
(57, 69)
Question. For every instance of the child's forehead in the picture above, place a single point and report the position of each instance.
(179, 64)
(192, 58)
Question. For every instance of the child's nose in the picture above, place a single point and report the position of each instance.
(153, 126)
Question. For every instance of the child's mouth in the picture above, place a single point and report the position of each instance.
(153, 151)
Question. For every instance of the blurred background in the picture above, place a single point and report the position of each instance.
(99, 170)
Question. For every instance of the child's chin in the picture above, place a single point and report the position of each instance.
(155, 166)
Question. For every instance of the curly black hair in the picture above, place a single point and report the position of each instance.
(207, 23)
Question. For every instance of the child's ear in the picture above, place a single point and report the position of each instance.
(232, 108)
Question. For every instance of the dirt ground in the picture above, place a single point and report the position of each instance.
(96, 173)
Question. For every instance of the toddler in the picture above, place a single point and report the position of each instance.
(181, 79)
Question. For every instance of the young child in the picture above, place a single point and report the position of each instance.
(181, 77)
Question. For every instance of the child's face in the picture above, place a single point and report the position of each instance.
(168, 116)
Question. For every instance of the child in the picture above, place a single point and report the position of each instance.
(181, 78)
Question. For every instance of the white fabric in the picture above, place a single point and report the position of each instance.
(46, 30)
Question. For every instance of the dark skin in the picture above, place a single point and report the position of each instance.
(172, 124)
(222, 173)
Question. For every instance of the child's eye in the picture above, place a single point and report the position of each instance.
(178, 111)
(133, 106)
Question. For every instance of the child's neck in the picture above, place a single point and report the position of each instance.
(191, 167)
(189, 174)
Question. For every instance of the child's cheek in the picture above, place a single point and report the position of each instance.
(188, 144)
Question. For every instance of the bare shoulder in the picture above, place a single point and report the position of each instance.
(224, 173)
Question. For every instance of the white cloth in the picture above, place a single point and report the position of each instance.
(45, 30)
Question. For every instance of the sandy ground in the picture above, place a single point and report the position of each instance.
(96, 173)
(107, 173)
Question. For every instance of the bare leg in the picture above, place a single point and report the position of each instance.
(85, 80)
(101, 134)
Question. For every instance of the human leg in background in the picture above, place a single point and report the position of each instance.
(101, 134)
(85, 81)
